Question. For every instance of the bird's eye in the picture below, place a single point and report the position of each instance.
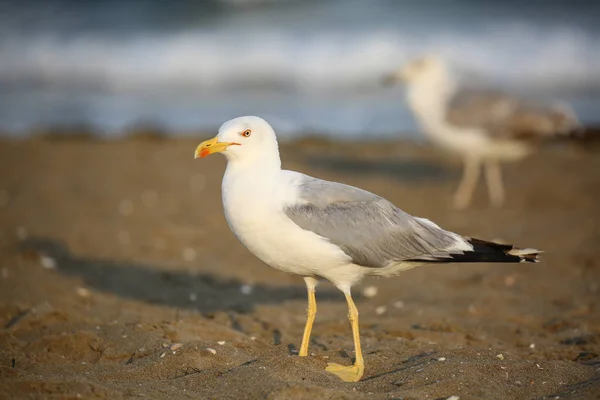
(246, 133)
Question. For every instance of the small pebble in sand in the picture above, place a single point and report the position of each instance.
(165, 345)
(189, 254)
(163, 355)
(124, 237)
(221, 342)
(510, 281)
(532, 346)
(399, 304)
(453, 398)
(21, 233)
(370, 291)
(176, 346)
(149, 198)
(124, 336)
(252, 337)
(126, 207)
(83, 292)
(193, 297)
(47, 262)
(442, 359)
(246, 289)
(211, 350)
(500, 356)
(4, 198)
(380, 310)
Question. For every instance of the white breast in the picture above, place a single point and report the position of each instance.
(254, 210)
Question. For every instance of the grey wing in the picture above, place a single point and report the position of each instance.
(488, 110)
(503, 116)
(368, 228)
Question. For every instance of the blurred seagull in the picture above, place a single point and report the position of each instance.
(320, 229)
(484, 127)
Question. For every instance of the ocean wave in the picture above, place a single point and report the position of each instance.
(326, 60)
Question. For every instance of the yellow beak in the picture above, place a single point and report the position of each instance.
(390, 79)
(211, 146)
(401, 76)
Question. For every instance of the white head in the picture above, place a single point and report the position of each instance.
(428, 89)
(243, 139)
(426, 70)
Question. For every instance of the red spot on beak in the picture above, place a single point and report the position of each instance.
(204, 153)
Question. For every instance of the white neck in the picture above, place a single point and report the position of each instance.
(248, 190)
(428, 100)
(245, 168)
(262, 166)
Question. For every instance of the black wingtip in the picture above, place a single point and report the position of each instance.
(484, 251)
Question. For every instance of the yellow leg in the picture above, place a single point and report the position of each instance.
(493, 175)
(354, 372)
(311, 283)
(464, 193)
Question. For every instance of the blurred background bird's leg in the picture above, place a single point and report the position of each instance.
(351, 373)
(493, 175)
(311, 312)
(464, 193)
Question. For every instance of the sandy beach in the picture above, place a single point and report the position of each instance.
(119, 278)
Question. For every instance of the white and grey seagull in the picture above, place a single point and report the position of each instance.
(320, 229)
(482, 126)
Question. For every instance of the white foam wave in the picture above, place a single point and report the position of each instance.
(207, 60)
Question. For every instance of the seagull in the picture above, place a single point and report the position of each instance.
(482, 126)
(327, 230)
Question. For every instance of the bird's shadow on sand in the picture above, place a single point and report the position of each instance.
(205, 293)
(397, 168)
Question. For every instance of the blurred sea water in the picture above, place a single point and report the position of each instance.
(309, 66)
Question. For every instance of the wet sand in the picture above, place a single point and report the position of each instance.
(120, 279)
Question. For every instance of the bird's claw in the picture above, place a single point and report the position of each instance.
(351, 373)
